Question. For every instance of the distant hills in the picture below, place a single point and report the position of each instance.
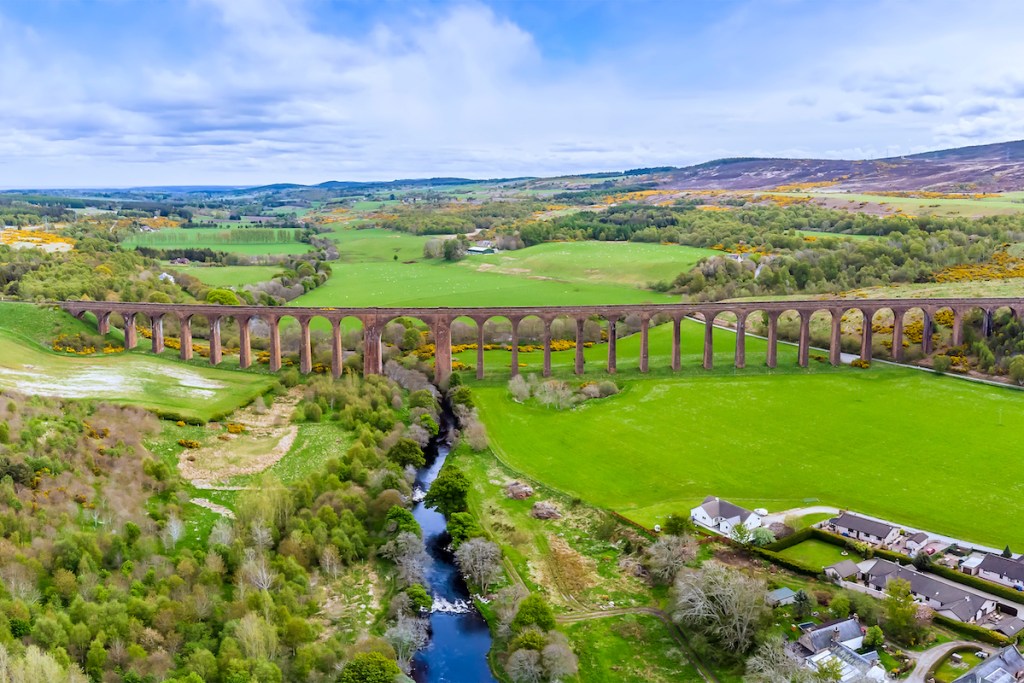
(997, 167)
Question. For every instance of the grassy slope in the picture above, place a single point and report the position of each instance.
(609, 651)
(892, 442)
(229, 276)
(630, 264)
(199, 238)
(187, 391)
(939, 207)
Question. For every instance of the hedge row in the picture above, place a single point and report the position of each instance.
(785, 562)
(972, 631)
(1004, 592)
(996, 589)
(791, 540)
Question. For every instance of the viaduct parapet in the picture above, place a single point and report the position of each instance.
(440, 320)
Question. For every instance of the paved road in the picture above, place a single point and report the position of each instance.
(798, 512)
(932, 656)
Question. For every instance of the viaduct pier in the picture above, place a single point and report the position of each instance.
(439, 320)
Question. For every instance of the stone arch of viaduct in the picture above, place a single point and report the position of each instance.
(440, 320)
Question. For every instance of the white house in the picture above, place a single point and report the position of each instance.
(864, 529)
(916, 542)
(1004, 570)
(723, 516)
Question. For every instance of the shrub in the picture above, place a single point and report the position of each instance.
(530, 639)
(419, 598)
(313, 412)
(189, 443)
(534, 611)
(942, 363)
(5, 432)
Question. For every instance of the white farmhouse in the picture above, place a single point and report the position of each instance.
(722, 516)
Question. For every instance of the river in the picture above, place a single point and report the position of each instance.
(459, 638)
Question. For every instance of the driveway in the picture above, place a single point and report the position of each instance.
(932, 656)
(798, 512)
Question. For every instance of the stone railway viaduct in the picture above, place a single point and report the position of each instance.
(439, 320)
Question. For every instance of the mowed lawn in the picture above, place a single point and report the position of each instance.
(924, 450)
(164, 386)
(815, 553)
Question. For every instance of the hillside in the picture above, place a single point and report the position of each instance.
(985, 168)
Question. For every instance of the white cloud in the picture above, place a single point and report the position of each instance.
(278, 96)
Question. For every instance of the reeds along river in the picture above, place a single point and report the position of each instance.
(459, 636)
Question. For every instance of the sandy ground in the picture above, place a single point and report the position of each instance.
(267, 439)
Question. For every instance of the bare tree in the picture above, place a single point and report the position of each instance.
(771, 664)
(256, 572)
(260, 535)
(480, 560)
(221, 533)
(524, 666)
(559, 660)
(330, 561)
(519, 389)
(476, 434)
(505, 604)
(727, 605)
(409, 555)
(669, 554)
(173, 530)
(408, 636)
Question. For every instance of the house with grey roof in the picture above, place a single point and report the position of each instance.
(946, 599)
(842, 570)
(722, 516)
(863, 529)
(838, 641)
(1004, 570)
(915, 543)
(1006, 666)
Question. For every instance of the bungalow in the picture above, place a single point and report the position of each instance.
(1005, 666)
(843, 570)
(1004, 570)
(948, 600)
(781, 596)
(479, 251)
(839, 640)
(864, 529)
(723, 516)
(916, 543)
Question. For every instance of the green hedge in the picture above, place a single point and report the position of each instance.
(972, 632)
(1004, 592)
(785, 562)
(791, 540)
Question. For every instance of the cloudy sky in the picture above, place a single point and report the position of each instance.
(137, 92)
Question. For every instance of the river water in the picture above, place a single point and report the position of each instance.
(460, 638)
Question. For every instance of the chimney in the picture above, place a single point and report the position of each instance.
(835, 635)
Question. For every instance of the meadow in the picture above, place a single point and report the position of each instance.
(383, 268)
(892, 442)
(633, 264)
(228, 276)
(1006, 203)
(230, 240)
(191, 392)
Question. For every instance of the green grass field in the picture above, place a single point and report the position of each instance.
(630, 264)
(815, 553)
(216, 239)
(609, 651)
(228, 276)
(820, 233)
(1007, 203)
(892, 442)
(169, 388)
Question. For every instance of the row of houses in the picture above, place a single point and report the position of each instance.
(1006, 571)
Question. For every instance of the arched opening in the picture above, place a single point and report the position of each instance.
(916, 343)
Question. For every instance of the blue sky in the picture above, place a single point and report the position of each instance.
(135, 92)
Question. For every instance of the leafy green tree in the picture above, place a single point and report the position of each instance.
(224, 297)
(840, 606)
(874, 637)
(407, 452)
(1006, 552)
(1017, 369)
(5, 432)
(900, 611)
(370, 667)
(741, 534)
(463, 526)
(677, 525)
(922, 561)
(399, 519)
(829, 671)
(534, 611)
(448, 492)
(802, 604)
(418, 597)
